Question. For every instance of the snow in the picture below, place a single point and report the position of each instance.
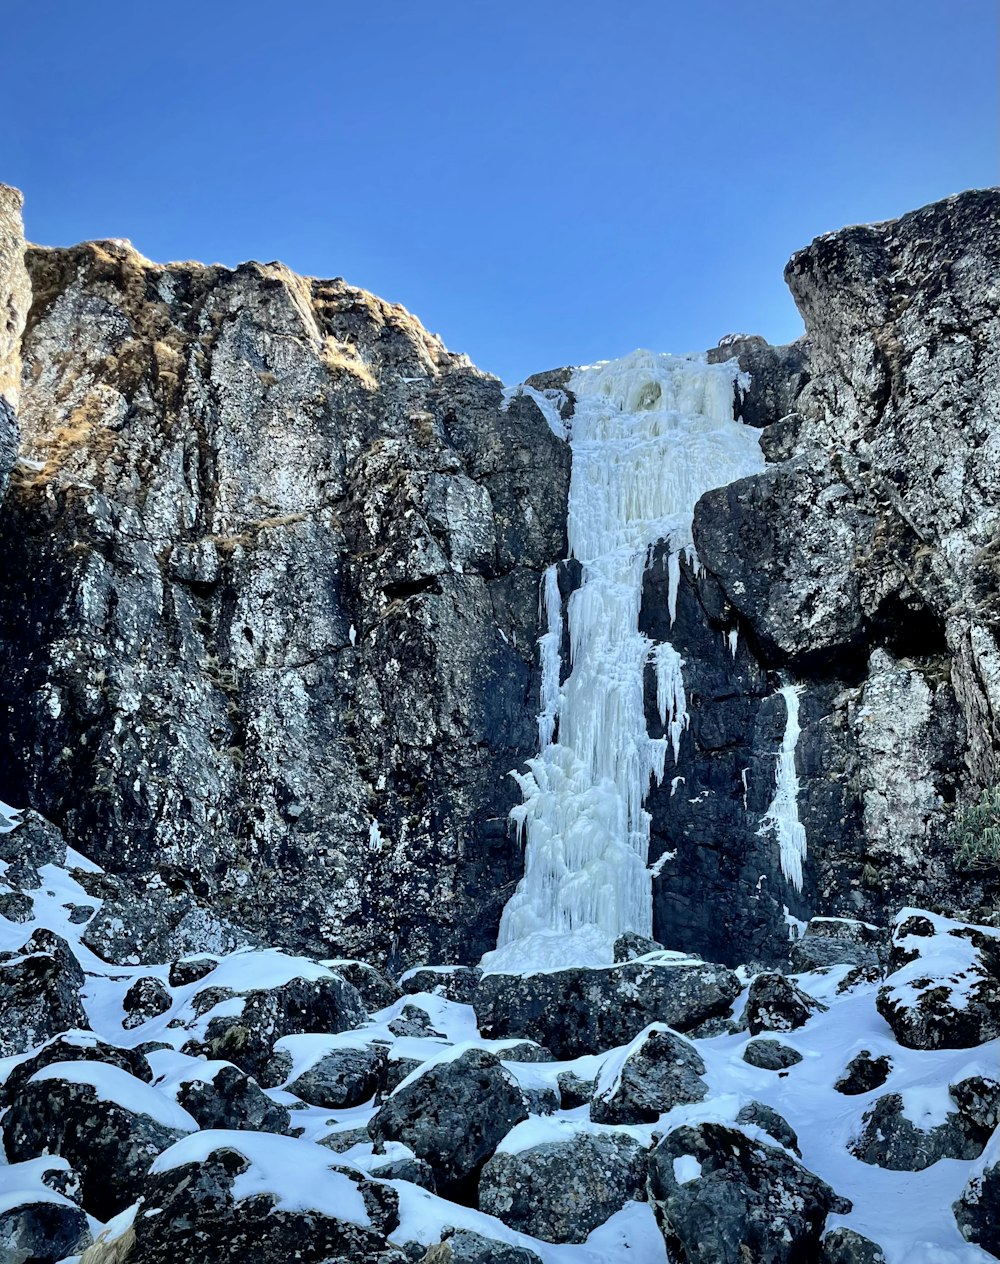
(686, 1168)
(783, 814)
(112, 1084)
(651, 434)
(22, 1183)
(297, 1173)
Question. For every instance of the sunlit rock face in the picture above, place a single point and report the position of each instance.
(270, 600)
(15, 297)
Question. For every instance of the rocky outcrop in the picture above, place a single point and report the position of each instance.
(15, 298)
(278, 653)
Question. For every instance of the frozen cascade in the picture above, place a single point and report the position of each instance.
(783, 814)
(650, 434)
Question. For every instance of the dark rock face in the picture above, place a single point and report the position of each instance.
(321, 1005)
(338, 1080)
(771, 1055)
(774, 1003)
(722, 1198)
(146, 998)
(575, 1011)
(326, 533)
(889, 1139)
(863, 1074)
(560, 1191)
(454, 1115)
(40, 988)
(660, 1073)
(232, 1099)
(775, 1125)
(201, 1220)
(455, 984)
(74, 1047)
(109, 1145)
(977, 1211)
(836, 941)
(42, 1232)
(844, 1246)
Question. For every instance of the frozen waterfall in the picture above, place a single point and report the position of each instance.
(650, 434)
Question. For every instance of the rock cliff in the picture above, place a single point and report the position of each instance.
(270, 602)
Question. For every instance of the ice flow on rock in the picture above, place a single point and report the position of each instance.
(650, 434)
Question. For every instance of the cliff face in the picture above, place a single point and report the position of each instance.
(862, 565)
(15, 296)
(270, 602)
(269, 610)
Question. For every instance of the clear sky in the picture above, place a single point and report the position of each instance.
(542, 183)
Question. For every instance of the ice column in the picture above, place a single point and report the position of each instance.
(783, 814)
(650, 434)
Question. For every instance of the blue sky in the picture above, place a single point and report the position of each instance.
(542, 183)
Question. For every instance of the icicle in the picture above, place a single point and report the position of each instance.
(650, 435)
(733, 637)
(783, 814)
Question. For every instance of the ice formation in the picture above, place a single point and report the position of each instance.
(783, 814)
(650, 433)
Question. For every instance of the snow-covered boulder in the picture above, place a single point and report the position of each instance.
(577, 1011)
(767, 1118)
(462, 1246)
(909, 1134)
(774, 1003)
(109, 1125)
(657, 1071)
(226, 1097)
(376, 989)
(722, 1197)
(41, 1220)
(73, 1046)
(146, 998)
(944, 992)
(560, 1190)
(454, 983)
(331, 1071)
(40, 987)
(454, 1115)
(977, 1210)
(242, 1198)
(831, 941)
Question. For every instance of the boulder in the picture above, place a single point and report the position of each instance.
(42, 1231)
(40, 987)
(577, 1011)
(765, 1117)
(325, 1005)
(771, 1055)
(206, 1215)
(191, 970)
(337, 1078)
(774, 1003)
(232, 1099)
(74, 1046)
(454, 1115)
(977, 1210)
(660, 1070)
(146, 998)
(454, 983)
(462, 1246)
(978, 1100)
(863, 1074)
(833, 941)
(844, 1246)
(632, 945)
(414, 1020)
(944, 992)
(560, 1191)
(722, 1198)
(376, 989)
(889, 1139)
(574, 1090)
(111, 1143)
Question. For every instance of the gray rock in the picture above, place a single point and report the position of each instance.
(631, 945)
(40, 987)
(201, 1219)
(462, 1246)
(721, 1198)
(573, 1012)
(454, 1115)
(978, 1100)
(15, 299)
(774, 1003)
(560, 1191)
(864, 1073)
(416, 1171)
(831, 941)
(888, 1139)
(326, 1005)
(844, 1246)
(340, 1079)
(661, 1072)
(771, 1055)
(42, 1232)
(74, 1046)
(775, 1125)
(413, 1020)
(109, 1145)
(147, 998)
(15, 906)
(191, 970)
(232, 1099)
(573, 1090)
(376, 989)
(457, 983)
(977, 1210)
